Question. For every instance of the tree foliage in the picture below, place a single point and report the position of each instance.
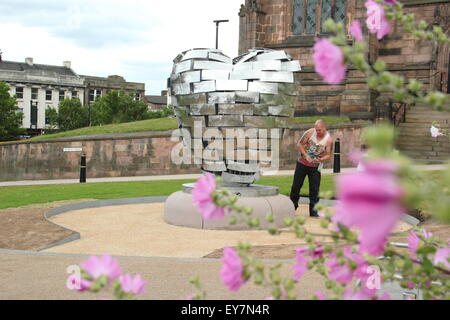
(10, 117)
(118, 107)
(71, 115)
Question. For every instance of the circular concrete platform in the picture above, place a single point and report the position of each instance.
(180, 211)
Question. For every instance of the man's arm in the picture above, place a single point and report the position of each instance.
(301, 144)
(328, 152)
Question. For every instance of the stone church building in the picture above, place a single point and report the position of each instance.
(293, 25)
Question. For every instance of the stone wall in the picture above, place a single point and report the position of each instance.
(142, 154)
(269, 24)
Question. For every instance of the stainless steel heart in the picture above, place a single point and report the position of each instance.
(233, 112)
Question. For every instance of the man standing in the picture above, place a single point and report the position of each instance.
(315, 148)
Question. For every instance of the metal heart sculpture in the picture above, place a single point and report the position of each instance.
(233, 112)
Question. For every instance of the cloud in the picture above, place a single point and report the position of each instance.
(137, 39)
(100, 23)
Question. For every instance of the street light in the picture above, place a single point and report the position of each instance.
(217, 31)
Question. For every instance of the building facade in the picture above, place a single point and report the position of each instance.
(293, 26)
(157, 102)
(100, 86)
(39, 86)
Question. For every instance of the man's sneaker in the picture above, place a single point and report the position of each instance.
(314, 216)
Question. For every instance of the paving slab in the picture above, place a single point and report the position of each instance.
(43, 276)
(140, 230)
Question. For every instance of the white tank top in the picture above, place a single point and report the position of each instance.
(315, 149)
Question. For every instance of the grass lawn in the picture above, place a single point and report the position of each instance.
(158, 125)
(12, 197)
(328, 119)
(161, 124)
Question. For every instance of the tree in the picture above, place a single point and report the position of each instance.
(118, 107)
(71, 115)
(51, 116)
(10, 117)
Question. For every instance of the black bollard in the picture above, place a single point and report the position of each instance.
(83, 168)
(337, 156)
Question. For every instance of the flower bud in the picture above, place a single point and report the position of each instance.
(273, 231)
(301, 220)
(379, 66)
(288, 222)
(329, 25)
(372, 82)
(329, 284)
(414, 85)
(324, 224)
(422, 25)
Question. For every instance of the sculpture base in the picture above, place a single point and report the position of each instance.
(180, 211)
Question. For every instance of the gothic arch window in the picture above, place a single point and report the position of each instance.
(310, 15)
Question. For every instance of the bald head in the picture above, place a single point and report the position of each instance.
(321, 127)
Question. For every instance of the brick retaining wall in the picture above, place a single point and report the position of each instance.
(132, 154)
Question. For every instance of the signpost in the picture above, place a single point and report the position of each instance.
(73, 149)
(82, 162)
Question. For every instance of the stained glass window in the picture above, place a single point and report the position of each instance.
(311, 17)
(327, 8)
(339, 14)
(305, 14)
(299, 21)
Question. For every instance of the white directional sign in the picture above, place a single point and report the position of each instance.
(72, 149)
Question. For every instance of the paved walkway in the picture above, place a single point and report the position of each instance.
(175, 177)
(140, 230)
(43, 276)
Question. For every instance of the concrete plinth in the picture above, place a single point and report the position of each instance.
(180, 211)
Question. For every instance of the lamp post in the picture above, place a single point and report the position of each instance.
(217, 22)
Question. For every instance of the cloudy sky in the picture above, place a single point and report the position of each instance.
(137, 39)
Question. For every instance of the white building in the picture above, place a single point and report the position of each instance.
(39, 86)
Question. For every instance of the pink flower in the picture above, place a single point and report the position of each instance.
(376, 20)
(340, 273)
(282, 296)
(381, 167)
(413, 243)
(203, 199)
(356, 295)
(385, 296)
(134, 285)
(102, 266)
(329, 61)
(320, 295)
(356, 31)
(356, 156)
(317, 252)
(370, 202)
(78, 283)
(232, 270)
(435, 132)
(441, 256)
(301, 265)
